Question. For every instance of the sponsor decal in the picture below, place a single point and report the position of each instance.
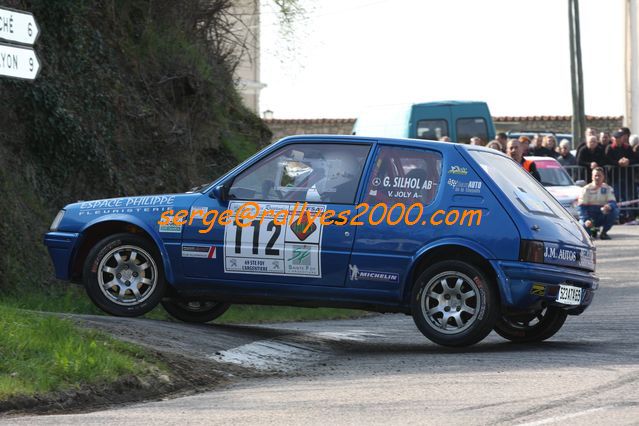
(357, 274)
(198, 213)
(144, 201)
(287, 247)
(170, 227)
(554, 252)
(198, 251)
(124, 210)
(458, 170)
(538, 290)
(471, 187)
(300, 229)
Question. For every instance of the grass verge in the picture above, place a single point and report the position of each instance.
(73, 299)
(43, 353)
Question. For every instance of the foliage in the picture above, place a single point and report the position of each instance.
(44, 353)
(134, 97)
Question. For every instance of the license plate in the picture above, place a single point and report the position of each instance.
(569, 295)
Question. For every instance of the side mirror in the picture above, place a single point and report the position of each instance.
(580, 182)
(220, 192)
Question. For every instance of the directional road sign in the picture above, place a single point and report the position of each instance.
(18, 62)
(17, 26)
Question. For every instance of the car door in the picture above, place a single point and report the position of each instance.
(406, 180)
(274, 233)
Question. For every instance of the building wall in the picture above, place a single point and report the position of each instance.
(245, 16)
(558, 124)
(344, 126)
(315, 126)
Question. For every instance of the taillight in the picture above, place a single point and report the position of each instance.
(531, 251)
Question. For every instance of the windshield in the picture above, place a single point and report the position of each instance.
(519, 186)
(554, 176)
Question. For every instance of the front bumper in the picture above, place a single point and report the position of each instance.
(61, 246)
(524, 285)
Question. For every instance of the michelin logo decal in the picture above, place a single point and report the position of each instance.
(356, 274)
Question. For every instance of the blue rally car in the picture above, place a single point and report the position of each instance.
(458, 236)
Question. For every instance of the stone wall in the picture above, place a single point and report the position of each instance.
(311, 126)
(344, 126)
(555, 123)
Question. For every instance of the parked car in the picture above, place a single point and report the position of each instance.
(559, 183)
(458, 120)
(472, 243)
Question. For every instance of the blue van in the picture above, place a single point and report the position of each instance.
(458, 236)
(459, 120)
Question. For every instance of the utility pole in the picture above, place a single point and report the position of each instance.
(576, 74)
(632, 65)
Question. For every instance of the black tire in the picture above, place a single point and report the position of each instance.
(518, 328)
(471, 304)
(138, 279)
(194, 311)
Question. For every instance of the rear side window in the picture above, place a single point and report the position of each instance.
(471, 127)
(404, 175)
(432, 129)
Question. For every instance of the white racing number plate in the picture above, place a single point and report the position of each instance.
(569, 295)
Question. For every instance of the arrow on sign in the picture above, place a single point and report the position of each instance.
(18, 26)
(18, 62)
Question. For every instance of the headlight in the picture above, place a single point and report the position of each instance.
(57, 220)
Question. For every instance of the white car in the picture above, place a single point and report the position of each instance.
(559, 183)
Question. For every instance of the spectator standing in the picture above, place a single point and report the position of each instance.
(591, 156)
(597, 205)
(619, 154)
(502, 138)
(494, 144)
(604, 139)
(535, 142)
(513, 150)
(476, 141)
(565, 158)
(547, 148)
(524, 142)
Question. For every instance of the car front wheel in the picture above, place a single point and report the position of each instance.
(532, 327)
(454, 303)
(123, 275)
(193, 310)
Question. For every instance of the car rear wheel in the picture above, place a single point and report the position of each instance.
(193, 310)
(454, 303)
(123, 275)
(532, 327)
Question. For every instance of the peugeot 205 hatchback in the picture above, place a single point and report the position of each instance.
(460, 237)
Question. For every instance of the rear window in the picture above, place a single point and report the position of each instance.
(519, 186)
(470, 127)
(432, 129)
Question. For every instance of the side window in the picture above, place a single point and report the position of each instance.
(432, 129)
(471, 127)
(404, 175)
(323, 173)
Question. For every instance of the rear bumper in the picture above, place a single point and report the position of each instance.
(61, 246)
(516, 281)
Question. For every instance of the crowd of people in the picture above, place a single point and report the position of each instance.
(597, 203)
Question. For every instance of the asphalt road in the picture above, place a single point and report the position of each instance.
(381, 370)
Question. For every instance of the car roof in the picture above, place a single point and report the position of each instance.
(322, 138)
(449, 103)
